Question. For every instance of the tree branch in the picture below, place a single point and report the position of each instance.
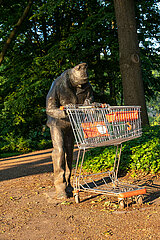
(14, 31)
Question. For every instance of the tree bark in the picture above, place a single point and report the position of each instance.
(14, 31)
(129, 57)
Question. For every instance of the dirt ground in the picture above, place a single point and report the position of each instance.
(29, 210)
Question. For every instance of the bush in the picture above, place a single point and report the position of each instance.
(15, 144)
(155, 120)
(35, 140)
(140, 154)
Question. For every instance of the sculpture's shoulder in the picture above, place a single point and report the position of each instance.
(59, 83)
(62, 80)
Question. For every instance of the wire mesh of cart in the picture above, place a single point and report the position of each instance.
(99, 125)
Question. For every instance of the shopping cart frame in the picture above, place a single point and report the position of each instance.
(117, 124)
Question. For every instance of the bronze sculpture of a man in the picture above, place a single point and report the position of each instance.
(71, 87)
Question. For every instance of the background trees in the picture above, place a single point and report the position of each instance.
(57, 35)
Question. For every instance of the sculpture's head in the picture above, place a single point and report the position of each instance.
(79, 74)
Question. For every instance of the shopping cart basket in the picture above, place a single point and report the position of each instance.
(103, 125)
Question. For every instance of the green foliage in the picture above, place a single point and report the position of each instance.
(18, 144)
(155, 120)
(140, 154)
(154, 109)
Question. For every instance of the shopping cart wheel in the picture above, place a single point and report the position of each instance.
(76, 198)
(121, 204)
(139, 200)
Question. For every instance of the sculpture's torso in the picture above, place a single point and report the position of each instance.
(62, 93)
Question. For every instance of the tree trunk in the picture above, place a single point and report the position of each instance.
(14, 31)
(130, 65)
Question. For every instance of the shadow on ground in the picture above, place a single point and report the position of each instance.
(25, 165)
(153, 189)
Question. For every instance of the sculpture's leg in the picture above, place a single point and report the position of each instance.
(69, 145)
(58, 158)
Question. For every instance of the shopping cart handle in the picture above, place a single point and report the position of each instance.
(93, 105)
(80, 107)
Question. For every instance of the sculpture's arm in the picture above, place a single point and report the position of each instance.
(90, 98)
(52, 107)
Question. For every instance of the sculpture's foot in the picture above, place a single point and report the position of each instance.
(61, 196)
(60, 191)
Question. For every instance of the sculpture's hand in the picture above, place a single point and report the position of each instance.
(87, 102)
(56, 113)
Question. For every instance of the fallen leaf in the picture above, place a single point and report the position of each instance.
(66, 203)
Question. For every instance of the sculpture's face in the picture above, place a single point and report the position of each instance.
(80, 74)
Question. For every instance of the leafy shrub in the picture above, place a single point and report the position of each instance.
(140, 154)
(155, 120)
(15, 144)
(34, 140)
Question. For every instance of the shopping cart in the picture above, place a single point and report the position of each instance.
(103, 125)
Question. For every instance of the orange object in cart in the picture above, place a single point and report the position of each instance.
(94, 129)
(122, 116)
